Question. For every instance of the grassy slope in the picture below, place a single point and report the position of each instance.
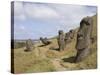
(87, 63)
(44, 59)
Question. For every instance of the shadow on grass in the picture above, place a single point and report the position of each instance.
(57, 49)
(70, 59)
(26, 50)
(44, 44)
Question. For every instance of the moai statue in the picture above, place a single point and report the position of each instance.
(71, 34)
(61, 41)
(83, 39)
(29, 45)
(67, 38)
(45, 41)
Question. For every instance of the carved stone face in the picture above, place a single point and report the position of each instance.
(66, 36)
(87, 20)
(71, 31)
(61, 41)
(83, 35)
(29, 45)
(60, 32)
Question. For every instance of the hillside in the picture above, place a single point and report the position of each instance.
(48, 58)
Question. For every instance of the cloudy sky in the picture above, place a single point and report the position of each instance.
(34, 20)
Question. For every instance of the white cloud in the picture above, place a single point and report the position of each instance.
(23, 11)
(71, 15)
(19, 13)
(51, 11)
(40, 11)
(22, 27)
(18, 8)
(20, 17)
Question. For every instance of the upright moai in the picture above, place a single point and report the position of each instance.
(83, 38)
(67, 38)
(29, 45)
(61, 41)
(45, 41)
(71, 34)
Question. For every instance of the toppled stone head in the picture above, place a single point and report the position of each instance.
(45, 41)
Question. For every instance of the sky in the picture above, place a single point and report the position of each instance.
(34, 20)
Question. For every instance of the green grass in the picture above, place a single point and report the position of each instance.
(19, 45)
(29, 62)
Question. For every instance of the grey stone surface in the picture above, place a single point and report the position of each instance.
(45, 41)
(69, 36)
(29, 45)
(83, 38)
(61, 41)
